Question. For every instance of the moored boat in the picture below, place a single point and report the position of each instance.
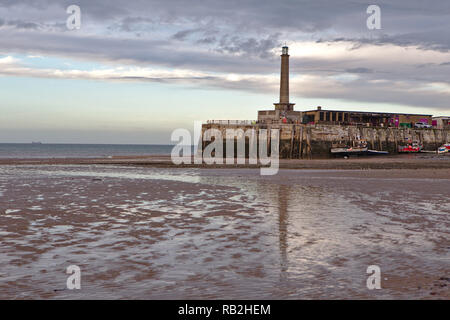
(444, 148)
(377, 152)
(359, 148)
(348, 150)
(414, 147)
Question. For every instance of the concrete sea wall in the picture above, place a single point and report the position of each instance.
(308, 141)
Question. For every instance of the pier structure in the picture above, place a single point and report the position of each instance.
(311, 134)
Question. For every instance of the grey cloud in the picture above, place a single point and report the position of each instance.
(359, 70)
(18, 24)
(167, 79)
(129, 51)
(306, 15)
(251, 46)
(131, 24)
(207, 40)
(387, 93)
(426, 65)
(33, 26)
(438, 41)
(237, 36)
(23, 25)
(404, 22)
(182, 35)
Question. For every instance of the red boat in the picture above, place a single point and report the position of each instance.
(445, 148)
(410, 148)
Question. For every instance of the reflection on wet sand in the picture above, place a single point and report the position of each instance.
(221, 233)
(282, 225)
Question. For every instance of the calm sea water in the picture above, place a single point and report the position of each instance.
(15, 150)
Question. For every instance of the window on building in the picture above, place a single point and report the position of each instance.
(333, 116)
(340, 116)
(328, 116)
(345, 117)
(321, 116)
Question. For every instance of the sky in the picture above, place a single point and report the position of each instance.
(136, 70)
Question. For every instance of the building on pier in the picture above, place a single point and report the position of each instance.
(364, 118)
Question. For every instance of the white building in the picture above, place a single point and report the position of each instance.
(441, 122)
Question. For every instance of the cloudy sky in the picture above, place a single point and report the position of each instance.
(136, 70)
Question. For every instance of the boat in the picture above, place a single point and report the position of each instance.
(413, 147)
(359, 148)
(342, 149)
(348, 150)
(444, 148)
(377, 152)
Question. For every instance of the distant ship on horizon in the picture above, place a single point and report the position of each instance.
(36, 142)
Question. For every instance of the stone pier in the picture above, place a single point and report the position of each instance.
(299, 141)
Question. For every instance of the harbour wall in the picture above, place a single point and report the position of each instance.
(299, 141)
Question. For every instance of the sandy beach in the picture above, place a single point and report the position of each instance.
(407, 161)
(140, 228)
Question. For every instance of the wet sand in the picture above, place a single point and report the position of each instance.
(406, 161)
(149, 232)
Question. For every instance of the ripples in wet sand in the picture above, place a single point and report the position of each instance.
(151, 233)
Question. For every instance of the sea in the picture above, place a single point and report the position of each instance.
(44, 150)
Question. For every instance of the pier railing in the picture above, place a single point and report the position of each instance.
(232, 122)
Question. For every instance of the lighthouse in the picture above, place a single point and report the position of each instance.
(284, 109)
(284, 104)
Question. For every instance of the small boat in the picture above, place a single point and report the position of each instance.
(376, 152)
(342, 149)
(414, 147)
(444, 148)
(348, 150)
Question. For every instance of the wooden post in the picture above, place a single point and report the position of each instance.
(308, 143)
(349, 136)
(435, 140)
(380, 145)
(372, 139)
(395, 133)
(300, 143)
(291, 149)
